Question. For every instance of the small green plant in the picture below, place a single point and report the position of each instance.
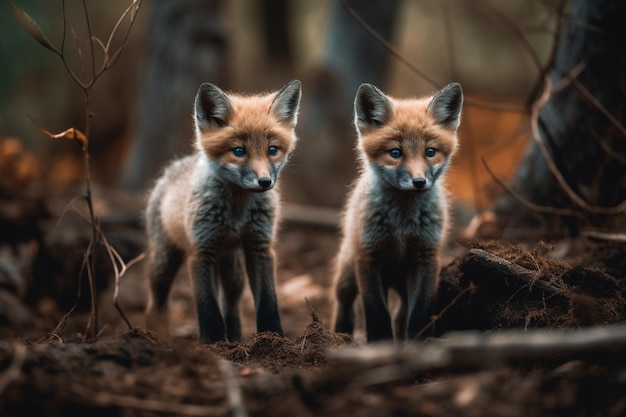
(95, 61)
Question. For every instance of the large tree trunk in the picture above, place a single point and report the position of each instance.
(187, 44)
(588, 149)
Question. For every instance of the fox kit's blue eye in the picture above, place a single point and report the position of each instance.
(395, 153)
(430, 152)
(239, 151)
(272, 151)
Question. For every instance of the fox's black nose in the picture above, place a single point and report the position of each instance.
(265, 182)
(419, 183)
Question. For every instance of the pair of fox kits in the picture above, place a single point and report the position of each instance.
(218, 209)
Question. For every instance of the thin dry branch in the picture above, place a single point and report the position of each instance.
(89, 36)
(529, 205)
(536, 135)
(119, 267)
(396, 54)
(55, 334)
(596, 103)
(97, 236)
(443, 311)
(519, 35)
(383, 42)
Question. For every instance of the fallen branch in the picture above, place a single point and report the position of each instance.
(106, 399)
(475, 349)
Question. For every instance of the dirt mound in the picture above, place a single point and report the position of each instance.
(502, 285)
(276, 353)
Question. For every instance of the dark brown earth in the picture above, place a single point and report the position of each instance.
(48, 366)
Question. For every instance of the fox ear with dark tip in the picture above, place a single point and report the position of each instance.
(372, 108)
(287, 102)
(212, 107)
(446, 106)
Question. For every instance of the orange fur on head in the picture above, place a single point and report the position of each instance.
(251, 123)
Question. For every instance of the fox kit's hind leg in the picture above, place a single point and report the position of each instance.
(346, 291)
(164, 262)
(232, 279)
(260, 268)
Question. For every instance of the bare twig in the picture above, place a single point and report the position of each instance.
(314, 316)
(534, 118)
(89, 260)
(55, 334)
(132, 9)
(306, 333)
(596, 103)
(532, 206)
(120, 268)
(520, 35)
(396, 54)
(383, 42)
(439, 315)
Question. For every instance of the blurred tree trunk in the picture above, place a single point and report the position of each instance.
(323, 164)
(277, 40)
(587, 148)
(187, 46)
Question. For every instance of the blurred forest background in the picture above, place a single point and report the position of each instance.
(552, 67)
(143, 103)
(539, 183)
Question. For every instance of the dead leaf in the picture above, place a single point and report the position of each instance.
(33, 29)
(70, 133)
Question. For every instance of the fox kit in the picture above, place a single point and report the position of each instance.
(218, 209)
(396, 217)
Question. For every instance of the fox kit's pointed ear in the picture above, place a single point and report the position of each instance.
(212, 107)
(372, 108)
(287, 102)
(446, 106)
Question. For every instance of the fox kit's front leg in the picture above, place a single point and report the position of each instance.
(421, 285)
(232, 280)
(204, 270)
(260, 267)
(374, 294)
